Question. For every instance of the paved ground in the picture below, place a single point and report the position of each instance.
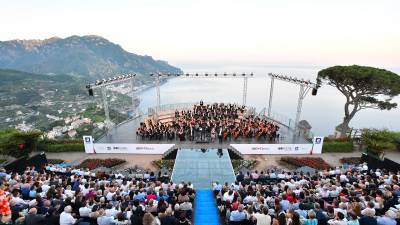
(263, 160)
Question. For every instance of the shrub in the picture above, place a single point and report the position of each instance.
(378, 141)
(243, 164)
(313, 162)
(341, 139)
(167, 163)
(96, 163)
(62, 147)
(337, 146)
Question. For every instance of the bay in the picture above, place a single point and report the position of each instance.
(323, 111)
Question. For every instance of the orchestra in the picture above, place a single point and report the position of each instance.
(222, 121)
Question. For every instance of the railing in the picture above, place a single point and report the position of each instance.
(285, 121)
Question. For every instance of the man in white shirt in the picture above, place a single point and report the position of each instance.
(66, 218)
(228, 196)
(263, 218)
(111, 211)
(84, 211)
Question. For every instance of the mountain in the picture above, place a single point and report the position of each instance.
(90, 56)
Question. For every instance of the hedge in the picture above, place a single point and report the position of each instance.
(62, 148)
(337, 146)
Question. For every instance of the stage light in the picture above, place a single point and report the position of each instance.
(234, 74)
(187, 74)
(314, 91)
(243, 74)
(251, 74)
(216, 74)
(197, 74)
(225, 74)
(206, 74)
(151, 74)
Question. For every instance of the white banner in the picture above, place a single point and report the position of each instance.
(149, 149)
(88, 143)
(317, 145)
(274, 149)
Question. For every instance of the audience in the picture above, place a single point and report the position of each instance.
(67, 196)
(339, 196)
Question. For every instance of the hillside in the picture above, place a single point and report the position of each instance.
(44, 101)
(90, 56)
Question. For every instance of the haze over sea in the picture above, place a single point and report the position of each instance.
(323, 111)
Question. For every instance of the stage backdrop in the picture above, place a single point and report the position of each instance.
(277, 149)
(148, 149)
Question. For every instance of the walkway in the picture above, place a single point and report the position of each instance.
(203, 167)
(205, 212)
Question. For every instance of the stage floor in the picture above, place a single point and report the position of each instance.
(203, 168)
(126, 133)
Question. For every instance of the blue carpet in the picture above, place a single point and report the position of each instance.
(205, 212)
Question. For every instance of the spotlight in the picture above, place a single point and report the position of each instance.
(314, 91)
(243, 74)
(216, 74)
(206, 74)
(187, 74)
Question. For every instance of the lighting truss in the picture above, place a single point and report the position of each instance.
(102, 84)
(204, 75)
(305, 87)
(110, 81)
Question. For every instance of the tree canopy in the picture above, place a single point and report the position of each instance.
(16, 143)
(364, 87)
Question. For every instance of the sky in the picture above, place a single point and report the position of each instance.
(247, 32)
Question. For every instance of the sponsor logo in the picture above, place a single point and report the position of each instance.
(87, 139)
(259, 148)
(318, 140)
(144, 148)
(282, 148)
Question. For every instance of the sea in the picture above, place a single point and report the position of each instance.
(323, 111)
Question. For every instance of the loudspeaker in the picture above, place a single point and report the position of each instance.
(314, 91)
(90, 92)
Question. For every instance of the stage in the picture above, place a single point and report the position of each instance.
(123, 139)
